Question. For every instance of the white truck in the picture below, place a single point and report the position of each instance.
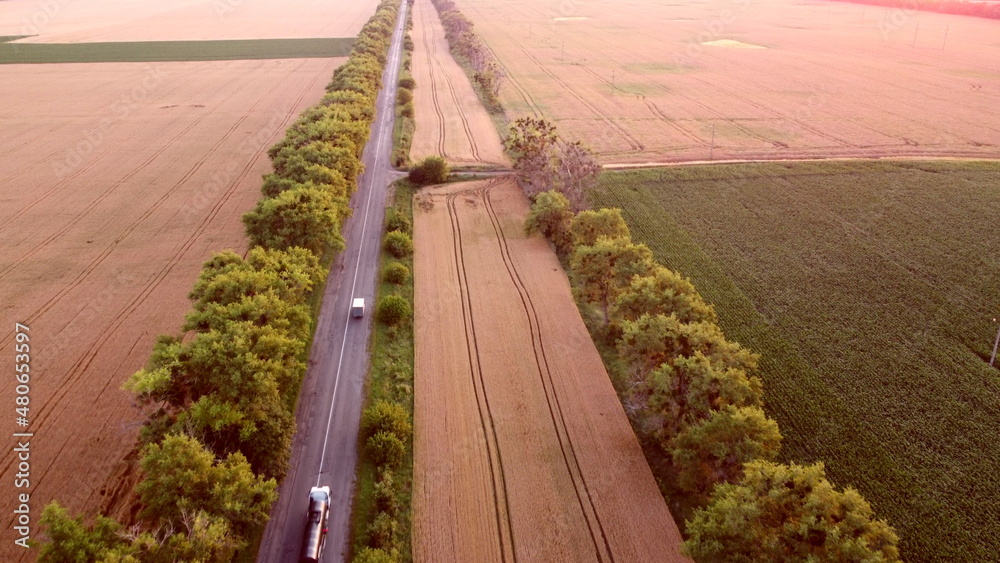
(358, 307)
(315, 535)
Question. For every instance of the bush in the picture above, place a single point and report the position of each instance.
(385, 416)
(393, 310)
(431, 170)
(398, 243)
(407, 110)
(382, 533)
(396, 221)
(404, 96)
(385, 497)
(407, 82)
(396, 273)
(374, 555)
(386, 450)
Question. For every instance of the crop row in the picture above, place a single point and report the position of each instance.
(865, 287)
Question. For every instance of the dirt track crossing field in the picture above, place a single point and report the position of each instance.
(450, 120)
(522, 449)
(116, 185)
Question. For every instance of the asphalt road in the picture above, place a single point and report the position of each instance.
(324, 451)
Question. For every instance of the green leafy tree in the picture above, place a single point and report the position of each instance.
(393, 310)
(182, 477)
(715, 450)
(404, 96)
(687, 389)
(309, 218)
(374, 555)
(397, 221)
(398, 243)
(198, 538)
(652, 340)
(589, 226)
(431, 170)
(550, 215)
(662, 292)
(260, 309)
(396, 273)
(386, 449)
(385, 416)
(69, 540)
(602, 270)
(788, 513)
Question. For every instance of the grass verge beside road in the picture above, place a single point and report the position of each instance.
(390, 379)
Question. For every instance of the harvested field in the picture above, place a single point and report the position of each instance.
(450, 120)
(522, 450)
(119, 180)
(648, 82)
(84, 21)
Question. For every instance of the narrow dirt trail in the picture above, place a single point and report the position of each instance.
(521, 443)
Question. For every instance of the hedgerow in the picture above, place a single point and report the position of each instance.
(222, 399)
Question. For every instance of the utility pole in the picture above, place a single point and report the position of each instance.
(563, 56)
(914, 45)
(996, 343)
(612, 82)
(945, 40)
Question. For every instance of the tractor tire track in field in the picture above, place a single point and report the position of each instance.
(602, 547)
(632, 141)
(501, 504)
(429, 54)
(68, 180)
(83, 363)
(461, 114)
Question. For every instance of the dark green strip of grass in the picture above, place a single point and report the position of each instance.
(164, 51)
(6, 38)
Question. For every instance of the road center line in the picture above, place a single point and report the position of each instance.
(364, 227)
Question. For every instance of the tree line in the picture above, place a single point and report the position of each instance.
(221, 394)
(693, 391)
(467, 46)
(956, 7)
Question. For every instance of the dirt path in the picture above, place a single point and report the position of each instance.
(522, 449)
(450, 120)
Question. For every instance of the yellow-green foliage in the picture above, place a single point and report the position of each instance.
(222, 431)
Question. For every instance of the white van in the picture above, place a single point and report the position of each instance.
(358, 307)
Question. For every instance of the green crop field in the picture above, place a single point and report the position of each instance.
(162, 51)
(869, 288)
